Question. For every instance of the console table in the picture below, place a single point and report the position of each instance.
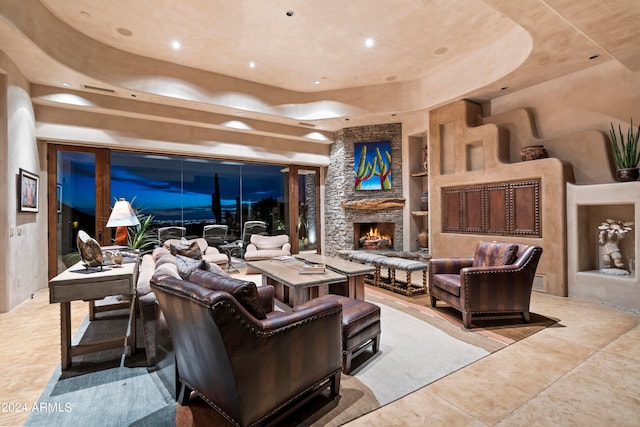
(79, 283)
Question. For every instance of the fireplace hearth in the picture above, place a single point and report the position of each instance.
(373, 235)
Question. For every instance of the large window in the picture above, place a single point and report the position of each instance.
(176, 191)
(192, 193)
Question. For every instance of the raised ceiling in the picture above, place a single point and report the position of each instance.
(427, 52)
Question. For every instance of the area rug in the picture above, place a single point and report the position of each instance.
(104, 388)
(418, 345)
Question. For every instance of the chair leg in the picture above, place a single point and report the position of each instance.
(433, 300)
(376, 343)
(526, 317)
(335, 385)
(466, 320)
(184, 394)
(346, 362)
(408, 283)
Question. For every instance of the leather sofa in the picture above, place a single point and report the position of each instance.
(250, 363)
(497, 279)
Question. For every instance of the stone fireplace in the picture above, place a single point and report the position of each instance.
(373, 235)
(340, 221)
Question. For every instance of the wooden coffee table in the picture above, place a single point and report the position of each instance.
(354, 271)
(291, 287)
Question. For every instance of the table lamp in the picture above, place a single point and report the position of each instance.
(122, 216)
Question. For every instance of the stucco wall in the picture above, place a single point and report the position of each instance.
(23, 235)
(464, 151)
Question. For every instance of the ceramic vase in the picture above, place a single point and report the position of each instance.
(533, 152)
(423, 239)
(628, 174)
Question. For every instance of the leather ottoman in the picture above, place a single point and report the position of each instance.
(360, 327)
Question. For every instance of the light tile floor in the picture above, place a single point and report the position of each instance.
(584, 371)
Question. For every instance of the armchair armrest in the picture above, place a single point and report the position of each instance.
(251, 248)
(449, 265)
(287, 247)
(211, 250)
(483, 288)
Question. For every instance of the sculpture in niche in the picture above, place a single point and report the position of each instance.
(611, 232)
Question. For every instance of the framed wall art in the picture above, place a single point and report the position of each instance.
(29, 183)
(372, 165)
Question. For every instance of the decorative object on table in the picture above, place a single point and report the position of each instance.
(625, 153)
(115, 257)
(122, 216)
(372, 170)
(90, 250)
(313, 269)
(533, 152)
(423, 239)
(611, 232)
(424, 201)
(28, 191)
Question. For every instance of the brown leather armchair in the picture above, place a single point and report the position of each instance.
(497, 279)
(250, 363)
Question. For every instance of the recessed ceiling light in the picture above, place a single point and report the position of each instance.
(370, 42)
(65, 84)
(592, 57)
(176, 45)
(317, 82)
(133, 95)
(390, 78)
(252, 64)
(504, 88)
(290, 13)
(84, 13)
(440, 50)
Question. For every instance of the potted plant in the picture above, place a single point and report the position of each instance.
(626, 153)
(141, 237)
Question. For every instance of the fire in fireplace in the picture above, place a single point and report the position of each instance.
(373, 235)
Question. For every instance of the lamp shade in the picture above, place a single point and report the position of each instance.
(122, 215)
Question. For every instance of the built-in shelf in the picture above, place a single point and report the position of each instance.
(419, 213)
(422, 173)
(588, 206)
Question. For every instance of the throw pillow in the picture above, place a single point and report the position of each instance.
(187, 265)
(192, 251)
(245, 292)
(494, 254)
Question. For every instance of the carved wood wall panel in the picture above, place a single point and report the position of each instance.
(504, 208)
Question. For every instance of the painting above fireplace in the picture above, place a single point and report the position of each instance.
(372, 165)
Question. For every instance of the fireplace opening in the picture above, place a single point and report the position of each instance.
(373, 235)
